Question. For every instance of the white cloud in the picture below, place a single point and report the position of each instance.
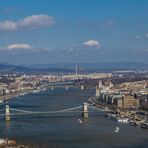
(136, 37)
(19, 46)
(36, 21)
(92, 43)
(30, 22)
(8, 25)
(107, 24)
(86, 47)
(146, 35)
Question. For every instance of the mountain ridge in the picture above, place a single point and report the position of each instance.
(70, 67)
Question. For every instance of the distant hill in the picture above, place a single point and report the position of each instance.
(22, 69)
(94, 66)
(70, 67)
(116, 66)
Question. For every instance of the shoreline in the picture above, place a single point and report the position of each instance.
(119, 118)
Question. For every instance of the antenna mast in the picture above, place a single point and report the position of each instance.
(76, 70)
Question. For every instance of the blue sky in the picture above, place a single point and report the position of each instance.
(73, 31)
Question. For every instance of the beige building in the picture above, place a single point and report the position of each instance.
(130, 101)
(127, 102)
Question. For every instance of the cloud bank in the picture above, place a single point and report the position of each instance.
(146, 35)
(108, 24)
(88, 46)
(30, 22)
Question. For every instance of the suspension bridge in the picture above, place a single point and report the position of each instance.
(84, 110)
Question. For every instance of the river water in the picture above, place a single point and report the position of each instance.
(67, 130)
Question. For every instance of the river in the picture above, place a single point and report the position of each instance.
(65, 130)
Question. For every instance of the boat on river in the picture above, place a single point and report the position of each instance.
(117, 118)
(122, 120)
(144, 125)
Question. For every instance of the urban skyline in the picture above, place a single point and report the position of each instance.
(73, 73)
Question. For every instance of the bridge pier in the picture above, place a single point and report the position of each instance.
(66, 88)
(82, 87)
(85, 110)
(52, 88)
(7, 115)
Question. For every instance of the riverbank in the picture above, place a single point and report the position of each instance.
(65, 130)
(20, 93)
(7, 143)
(120, 118)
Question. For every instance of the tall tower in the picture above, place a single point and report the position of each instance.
(76, 70)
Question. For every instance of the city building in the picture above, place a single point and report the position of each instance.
(126, 102)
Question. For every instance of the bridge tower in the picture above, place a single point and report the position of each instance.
(85, 110)
(66, 88)
(82, 87)
(52, 88)
(7, 117)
